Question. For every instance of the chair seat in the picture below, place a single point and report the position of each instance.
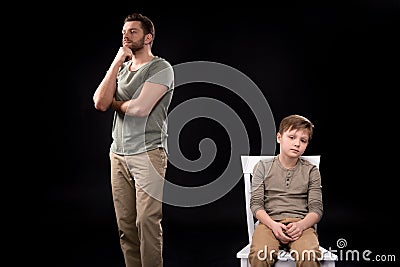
(244, 252)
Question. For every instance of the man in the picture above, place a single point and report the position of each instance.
(138, 86)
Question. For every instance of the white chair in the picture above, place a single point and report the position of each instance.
(284, 258)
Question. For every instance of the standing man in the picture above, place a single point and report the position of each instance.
(138, 86)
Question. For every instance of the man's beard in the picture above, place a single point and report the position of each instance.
(137, 45)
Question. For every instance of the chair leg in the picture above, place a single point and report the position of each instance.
(244, 263)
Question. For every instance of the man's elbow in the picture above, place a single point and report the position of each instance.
(101, 106)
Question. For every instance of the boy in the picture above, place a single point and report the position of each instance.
(287, 199)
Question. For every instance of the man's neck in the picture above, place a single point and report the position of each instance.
(140, 58)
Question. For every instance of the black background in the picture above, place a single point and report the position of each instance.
(336, 63)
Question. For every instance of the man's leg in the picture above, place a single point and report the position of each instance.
(124, 197)
(149, 171)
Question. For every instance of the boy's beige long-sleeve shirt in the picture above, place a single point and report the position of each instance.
(286, 193)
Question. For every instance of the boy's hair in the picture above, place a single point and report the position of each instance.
(147, 24)
(296, 122)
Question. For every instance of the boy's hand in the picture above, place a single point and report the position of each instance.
(294, 230)
(279, 230)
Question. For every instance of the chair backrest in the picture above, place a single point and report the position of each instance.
(248, 163)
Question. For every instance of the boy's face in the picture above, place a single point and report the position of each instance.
(293, 143)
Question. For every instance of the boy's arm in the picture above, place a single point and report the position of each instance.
(315, 207)
(257, 204)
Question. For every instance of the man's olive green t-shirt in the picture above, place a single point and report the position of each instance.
(132, 135)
